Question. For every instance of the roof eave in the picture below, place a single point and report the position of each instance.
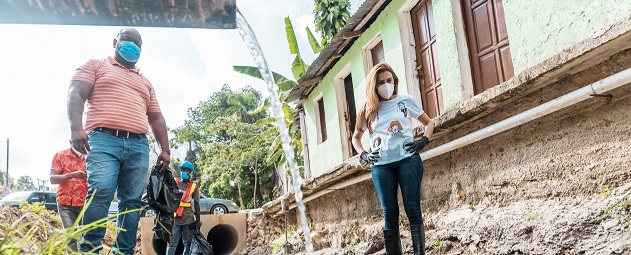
(343, 40)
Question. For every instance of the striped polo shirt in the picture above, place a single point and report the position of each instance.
(121, 97)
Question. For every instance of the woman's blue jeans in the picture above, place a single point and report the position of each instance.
(115, 165)
(406, 174)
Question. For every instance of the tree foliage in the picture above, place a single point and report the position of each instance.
(330, 17)
(224, 145)
(25, 183)
(285, 85)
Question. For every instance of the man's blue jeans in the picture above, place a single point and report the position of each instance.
(407, 174)
(184, 232)
(121, 165)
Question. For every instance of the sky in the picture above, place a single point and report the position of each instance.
(185, 66)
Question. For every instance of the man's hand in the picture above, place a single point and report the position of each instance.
(198, 221)
(79, 141)
(165, 158)
(79, 175)
(370, 157)
(417, 145)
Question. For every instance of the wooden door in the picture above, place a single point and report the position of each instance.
(489, 50)
(350, 115)
(427, 67)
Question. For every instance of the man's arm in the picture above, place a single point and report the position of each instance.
(198, 218)
(57, 177)
(196, 198)
(78, 93)
(159, 129)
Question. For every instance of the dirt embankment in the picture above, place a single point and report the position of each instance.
(572, 225)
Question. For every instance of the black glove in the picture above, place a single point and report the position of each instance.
(198, 221)
(417, 145)
(370, 157)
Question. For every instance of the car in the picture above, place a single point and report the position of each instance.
(48, 198)
(114, 209)
(209, 205)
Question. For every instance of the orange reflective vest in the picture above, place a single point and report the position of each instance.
(184, 201)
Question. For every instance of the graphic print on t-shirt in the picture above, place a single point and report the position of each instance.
(395, 128)
(403, 109)
(376, 144)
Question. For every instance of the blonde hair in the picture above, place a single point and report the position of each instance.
(368, 111)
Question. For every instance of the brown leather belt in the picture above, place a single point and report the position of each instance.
(119, 133)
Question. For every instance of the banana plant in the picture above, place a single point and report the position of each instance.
(285, 85)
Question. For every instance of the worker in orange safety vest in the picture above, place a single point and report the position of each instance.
(185, 217)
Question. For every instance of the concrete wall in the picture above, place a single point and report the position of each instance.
(353, 202)
(538, 29)
(582, 150)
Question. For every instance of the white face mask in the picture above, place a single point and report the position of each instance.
(385, 90)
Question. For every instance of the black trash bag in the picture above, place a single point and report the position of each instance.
(163, 195)
(199, 244)
(163, 226)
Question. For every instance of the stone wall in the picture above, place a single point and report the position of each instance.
(262, 230)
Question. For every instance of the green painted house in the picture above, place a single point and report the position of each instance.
(448, 54)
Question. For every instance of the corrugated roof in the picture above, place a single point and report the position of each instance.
(343, 40)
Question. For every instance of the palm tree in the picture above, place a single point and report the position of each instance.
(298, 68)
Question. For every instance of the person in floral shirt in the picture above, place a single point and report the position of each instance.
(68, 170)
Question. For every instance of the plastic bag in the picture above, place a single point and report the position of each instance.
(199, 244)
(163, 226)
(163, 195)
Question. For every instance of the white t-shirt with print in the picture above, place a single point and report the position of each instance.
(392, 128)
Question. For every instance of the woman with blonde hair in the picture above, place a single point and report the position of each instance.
(394, 158)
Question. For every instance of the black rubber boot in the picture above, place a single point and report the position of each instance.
(393, 242)
(418, 239)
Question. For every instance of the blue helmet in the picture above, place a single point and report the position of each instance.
(188, 165)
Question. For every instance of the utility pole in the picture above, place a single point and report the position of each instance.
(41, 187)
(7, 176)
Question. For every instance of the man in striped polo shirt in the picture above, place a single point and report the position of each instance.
(121, 106)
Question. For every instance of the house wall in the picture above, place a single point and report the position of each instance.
(451, 78)
(327, 155)
(538, 29)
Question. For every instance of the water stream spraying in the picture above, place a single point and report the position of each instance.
(250, 40)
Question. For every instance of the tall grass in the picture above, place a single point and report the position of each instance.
(18, 237)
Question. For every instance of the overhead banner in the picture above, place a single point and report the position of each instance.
(209, 14)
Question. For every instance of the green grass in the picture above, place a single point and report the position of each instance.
(438, 245)
(17, 237)
(531, 216)
(606, 191)
(276, 248)
(292, 230)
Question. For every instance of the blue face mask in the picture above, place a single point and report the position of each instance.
(129, 51)
(184, 175)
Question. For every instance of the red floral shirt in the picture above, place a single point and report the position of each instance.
(73, 191)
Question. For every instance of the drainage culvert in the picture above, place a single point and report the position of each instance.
(225, 232)
(224, 238)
